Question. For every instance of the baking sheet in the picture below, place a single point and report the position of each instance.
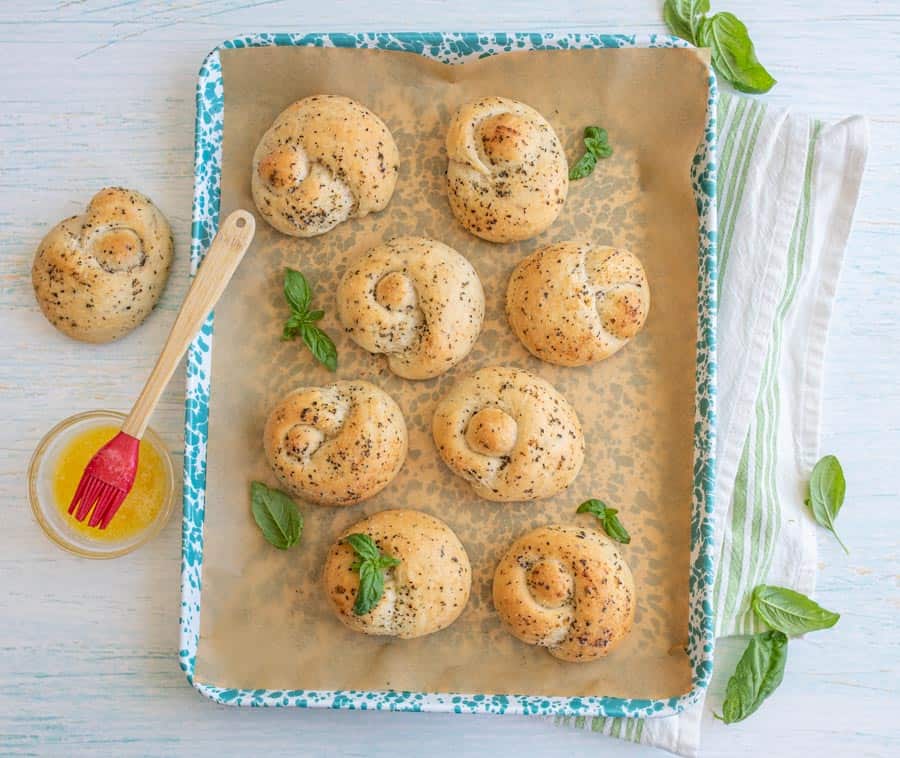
(265, 622)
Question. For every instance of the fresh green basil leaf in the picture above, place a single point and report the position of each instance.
(701, 30)
(679, 25)
(682, 16)
(595, 133)
(371, 566)
(276, 515)
(593, 145)
(371, 588)
(827, 488)
(733, 54)
(297, 290)
(320, 345)
(790, 612)
(584, 167)
(596, 143)
(614, 527)
(594, 506)
(607, 518)
(364, 546)
(597, 147)
(604, 151)
(757, 675)
(301, 322)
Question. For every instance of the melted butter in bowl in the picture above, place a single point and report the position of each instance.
(56, 469)
(144, 502)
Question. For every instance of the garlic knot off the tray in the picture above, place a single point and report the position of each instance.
(98, 275)
(324, 160)
(507, 179)
(510, 434)
(336, 445)
(417, 301)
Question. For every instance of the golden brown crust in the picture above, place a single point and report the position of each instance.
(424, 593)
(336, 445)
(508, 177)
(325, 159)
(567, 589)
(511, 435)
(98, 275)
(416, 300)
(574, 303)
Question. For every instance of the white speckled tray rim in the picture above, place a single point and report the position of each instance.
(453, 47)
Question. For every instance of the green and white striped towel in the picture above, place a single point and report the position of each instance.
(788, 187)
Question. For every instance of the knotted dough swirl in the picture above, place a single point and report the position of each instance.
(511, 435)
(567, 589)
(98, 275)
(336, 445)
(324, 160)
(423, 594)
(416, 300)
(573, 303)
(508, 177)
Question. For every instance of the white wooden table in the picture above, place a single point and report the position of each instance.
(98, 92)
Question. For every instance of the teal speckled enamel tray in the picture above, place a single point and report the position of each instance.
(448, 48)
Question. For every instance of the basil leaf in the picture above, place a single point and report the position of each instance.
(733, 54)
(584, 167)
(682, 17)
(371, 568)
(790, 612)
(371, 587)
(320, 345)
(599, 148)
(594, 506)
(596, 143)
(731, 50)
(302, 321)
(276, 515)
(297, 290)
(363, 546)
(607, 518)
(595, 133)
(827, 488)
(614, 527)
(757, 675)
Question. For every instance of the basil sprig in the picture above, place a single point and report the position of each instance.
(731, 48)
(757, 675)
(607, 518)
(790, 612)
(596, 145)
(302, 320)
(371, 566)
(827, 488)
(276, 515)
(761, 667)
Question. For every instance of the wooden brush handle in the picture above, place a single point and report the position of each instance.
(222, 259)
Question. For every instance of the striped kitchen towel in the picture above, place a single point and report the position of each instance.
(788, 187)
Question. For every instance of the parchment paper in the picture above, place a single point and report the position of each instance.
(265, 622)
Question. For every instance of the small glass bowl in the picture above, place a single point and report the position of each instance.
(40, 488)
